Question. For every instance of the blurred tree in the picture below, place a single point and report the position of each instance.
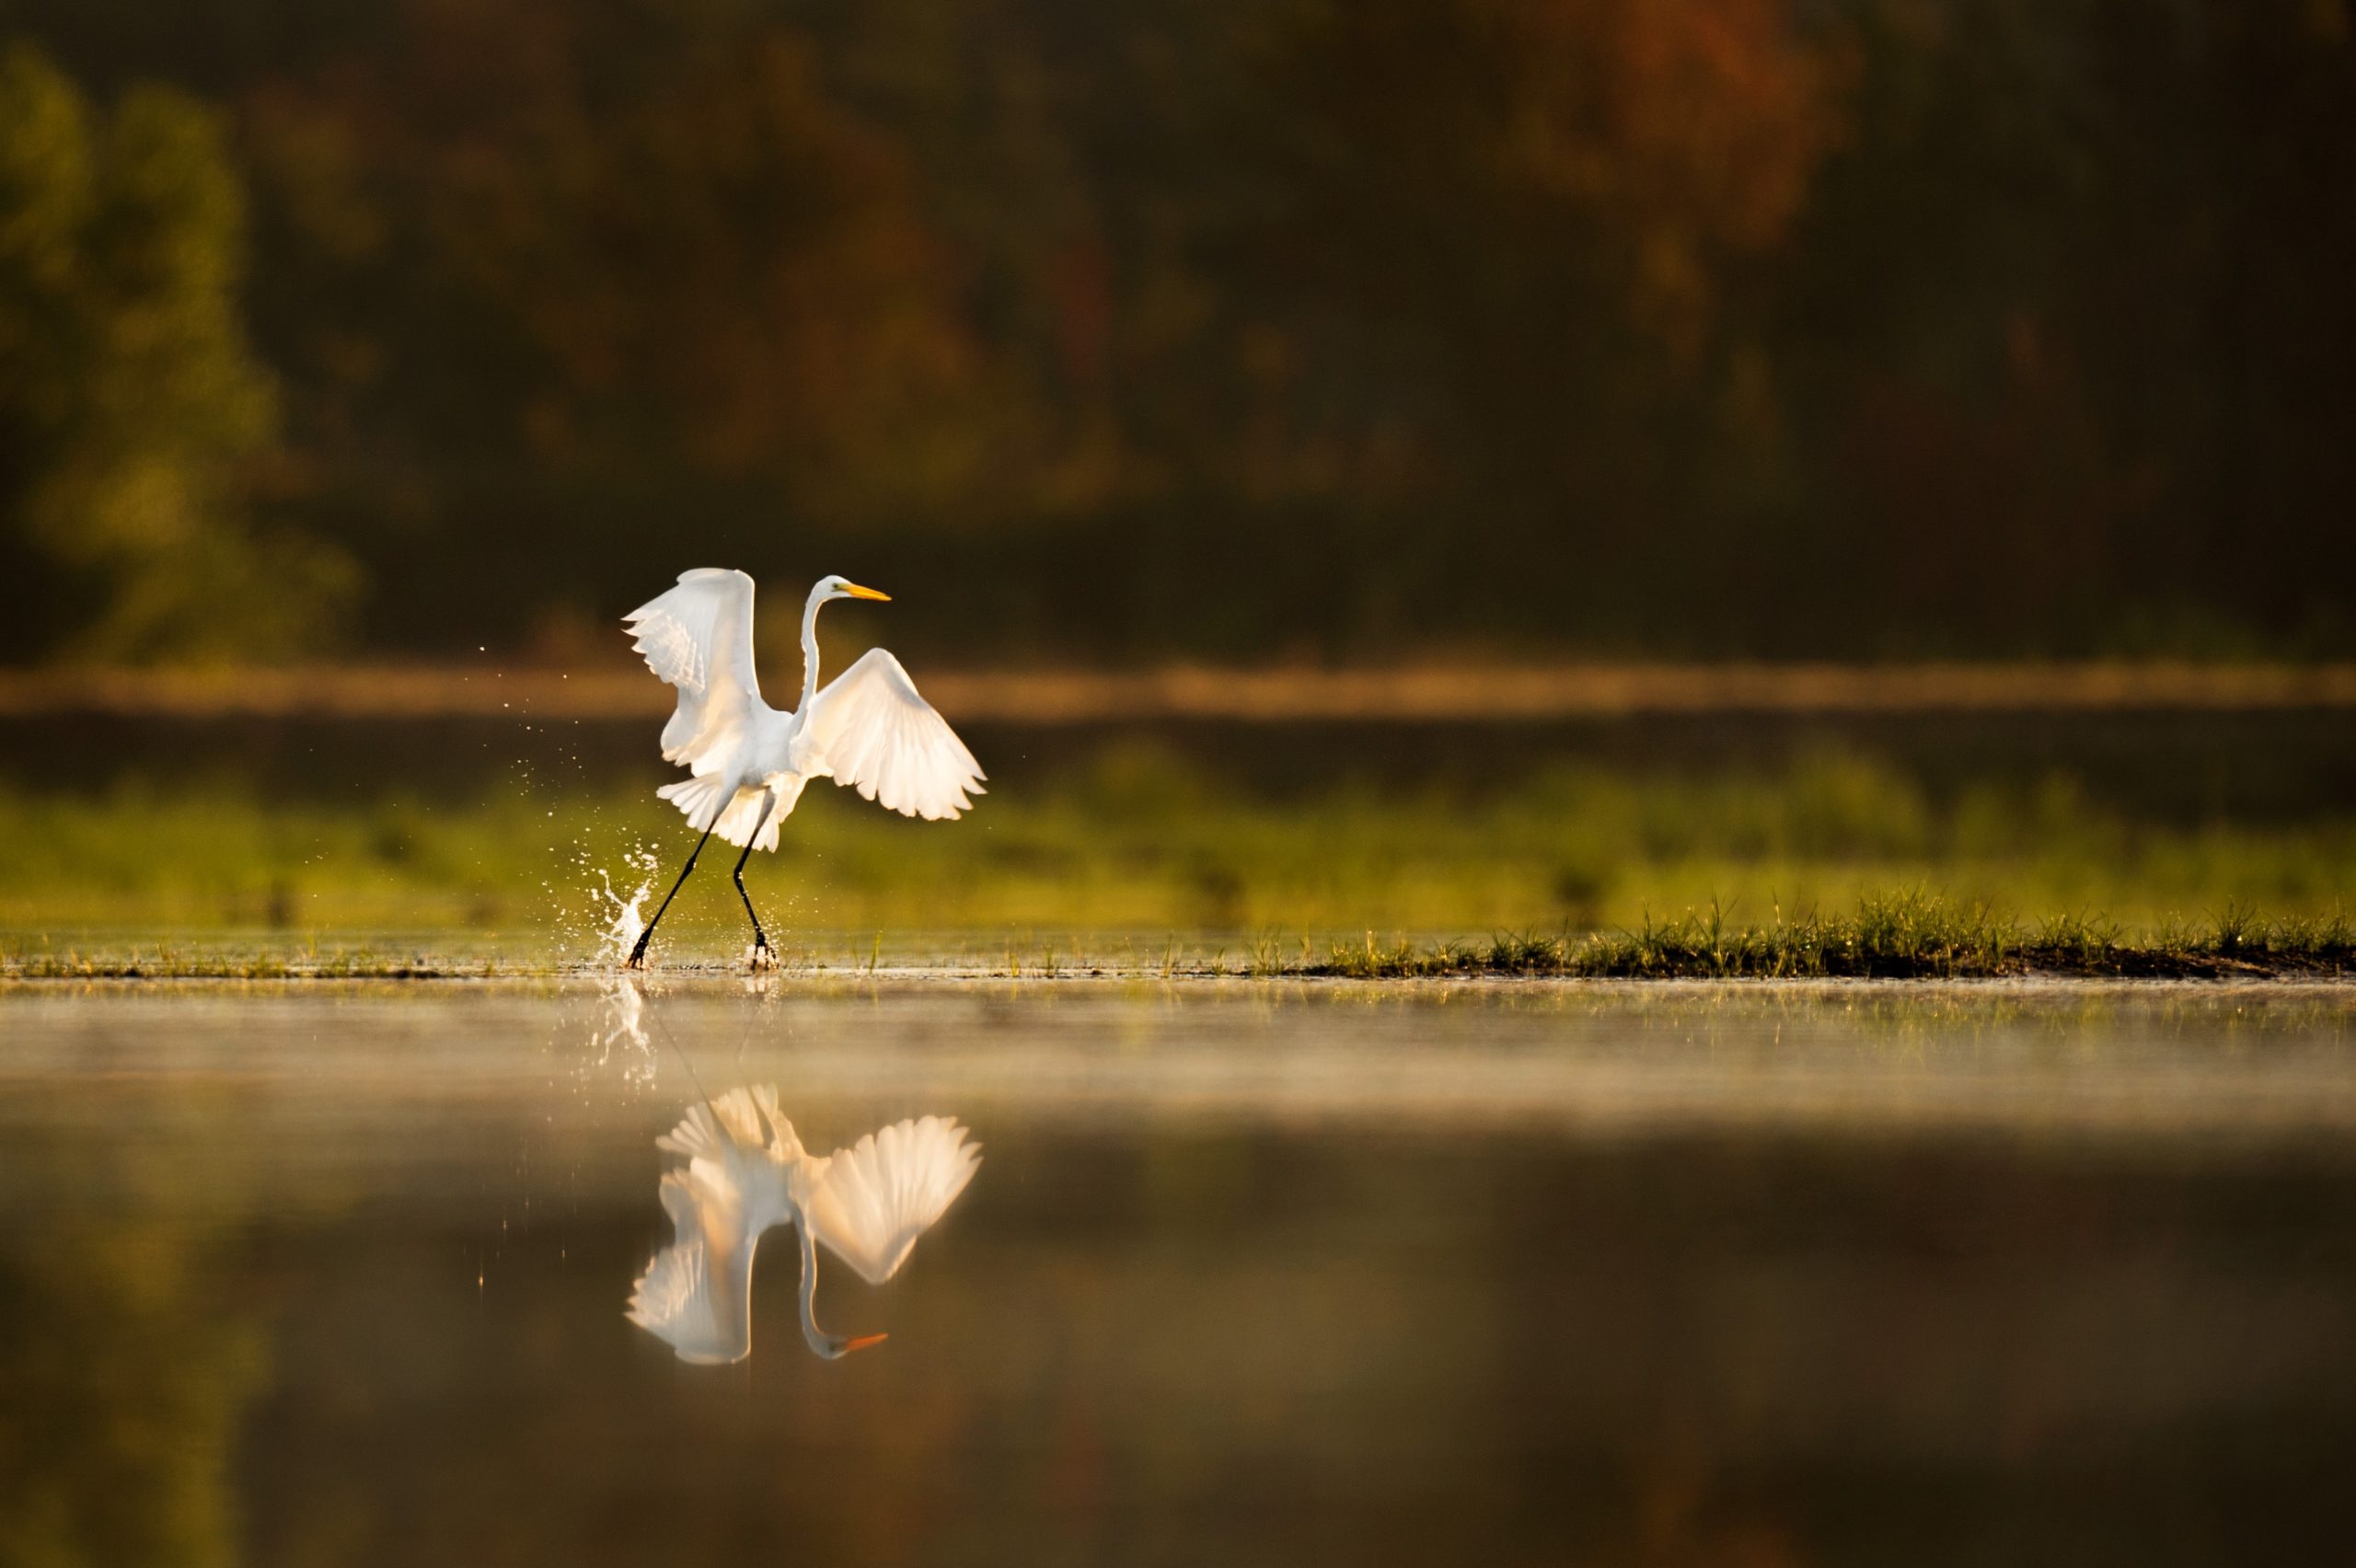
(1127, 328)
(1690, 131)
(132, 415)
(689, 248)
(591, 269)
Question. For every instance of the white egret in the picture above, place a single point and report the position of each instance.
(748, 761)
(746, 1173)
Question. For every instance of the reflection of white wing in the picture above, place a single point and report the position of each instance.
(698, 637)
(674, 1301)
(872, 730)
(697, 1294)
(869, 1203)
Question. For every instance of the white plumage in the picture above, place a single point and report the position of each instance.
(746, 1172)
(870, 728)
(699, 638)
(869, 1203)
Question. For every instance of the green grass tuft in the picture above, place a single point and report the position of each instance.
(1905, 936)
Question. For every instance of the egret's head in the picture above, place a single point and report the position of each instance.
(833, 1347)
(844, 588)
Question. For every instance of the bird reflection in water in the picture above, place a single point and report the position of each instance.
(747, 1172)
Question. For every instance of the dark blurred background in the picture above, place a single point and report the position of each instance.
(1123, 329)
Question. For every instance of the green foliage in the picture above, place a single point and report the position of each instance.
(133, 411)
(1141, 843)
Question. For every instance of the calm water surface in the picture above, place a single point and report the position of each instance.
(1246, 1274)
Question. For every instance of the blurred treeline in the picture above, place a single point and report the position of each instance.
(1120, 328)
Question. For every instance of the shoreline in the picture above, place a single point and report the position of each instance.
(1901, 937)
(134, 974)
(1436, 691)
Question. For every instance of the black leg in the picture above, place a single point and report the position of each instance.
(760, 938)
(638, 953)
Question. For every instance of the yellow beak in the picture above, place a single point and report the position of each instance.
(856, 592)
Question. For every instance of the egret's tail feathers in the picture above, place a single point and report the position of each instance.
(698, 1137)
(744, 1119)
(736, 822)
(729, 812)
(701, 799)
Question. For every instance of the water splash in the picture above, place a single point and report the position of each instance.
(621, 1027)
(628, 921)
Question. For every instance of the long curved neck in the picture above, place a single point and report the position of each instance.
(810, 650)
(820, 1342)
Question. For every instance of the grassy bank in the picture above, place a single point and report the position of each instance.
(1138, 842)
(1905, 936)
(1900, 937)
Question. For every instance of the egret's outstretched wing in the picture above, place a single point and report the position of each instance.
(698, 637)
(870, 728)
(869, 1203)
(697, 1294)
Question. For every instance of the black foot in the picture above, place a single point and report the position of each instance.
(764, 956)
(637, 954)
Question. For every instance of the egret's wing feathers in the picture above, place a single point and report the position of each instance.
(674, 1301)
(869, 1203)
(698, 637)
(697, 1294)
(871, 730)
(746, 1172)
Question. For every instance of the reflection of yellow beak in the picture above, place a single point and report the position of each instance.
(864, 1341)
(856, 592)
